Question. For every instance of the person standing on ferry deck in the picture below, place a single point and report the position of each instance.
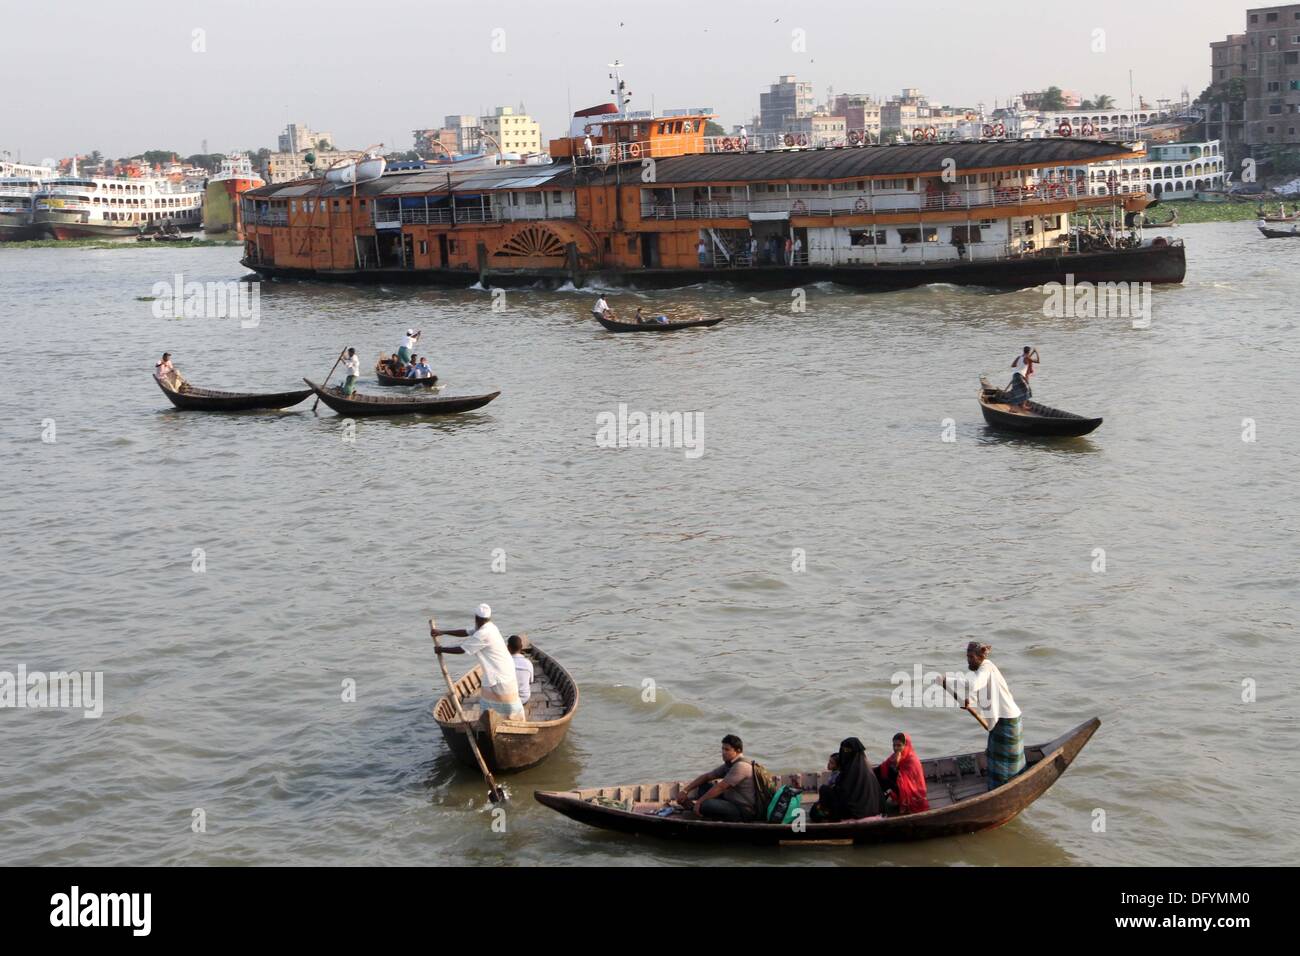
(987, 696)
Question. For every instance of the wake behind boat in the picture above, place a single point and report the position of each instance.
(1033, 418)
(959, 798)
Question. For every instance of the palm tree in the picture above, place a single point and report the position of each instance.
(1103, 101)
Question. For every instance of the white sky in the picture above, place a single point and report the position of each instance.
(121, 76)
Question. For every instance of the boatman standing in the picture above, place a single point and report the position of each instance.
(601, 309)
(352, 368)
(407, 351)
(987, 696)
(500, 690)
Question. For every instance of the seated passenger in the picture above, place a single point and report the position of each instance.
(727, 792)
(903, 777)
(413, 370)
(855, 793)
(523, 668)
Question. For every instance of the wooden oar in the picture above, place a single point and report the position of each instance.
(495, 793)
(966, 707)
(325, 383)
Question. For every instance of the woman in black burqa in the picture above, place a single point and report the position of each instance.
(855, 793)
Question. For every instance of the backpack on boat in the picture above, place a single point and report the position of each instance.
(777, 803)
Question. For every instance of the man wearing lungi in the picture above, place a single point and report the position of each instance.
(986, 695)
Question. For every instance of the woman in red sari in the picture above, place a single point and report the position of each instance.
(903, 778)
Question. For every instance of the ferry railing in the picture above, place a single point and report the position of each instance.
(1039, 193)
(267, 218)
(383, 218)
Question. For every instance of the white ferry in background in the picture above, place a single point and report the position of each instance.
(16, 194)
(73, 207)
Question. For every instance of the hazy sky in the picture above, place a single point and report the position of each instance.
(123, 76)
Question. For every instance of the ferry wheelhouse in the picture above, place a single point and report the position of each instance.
(652, 200)
(71, 207)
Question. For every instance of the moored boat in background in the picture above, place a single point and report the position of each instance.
(221, 204)
(613, 325)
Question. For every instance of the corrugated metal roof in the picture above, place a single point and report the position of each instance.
(794, 165)
(867, 161)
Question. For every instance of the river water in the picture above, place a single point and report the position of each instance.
(826, 538)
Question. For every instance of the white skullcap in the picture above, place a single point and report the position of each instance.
(484, 612)
(410, 331)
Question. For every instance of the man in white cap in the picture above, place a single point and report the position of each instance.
(407, 351)
(500, 691)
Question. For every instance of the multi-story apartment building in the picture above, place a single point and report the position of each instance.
(1228, 58)
(513, 132)
(860, 112)
(1273, 75)
(284, 167)
(298, 138)
(469, 138)
(785, 103)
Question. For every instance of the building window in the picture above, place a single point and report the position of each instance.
(1291, 58)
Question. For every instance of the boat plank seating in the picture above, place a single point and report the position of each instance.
(192, 398)
(960, 802)
(510, 745)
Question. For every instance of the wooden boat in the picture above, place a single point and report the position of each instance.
(1038, 420)
(1273, 233)
(190, 398)
(614, 326)
(509, 745)
(389, 380)
(959, 803)
(358, 405)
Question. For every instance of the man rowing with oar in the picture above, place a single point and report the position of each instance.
(500, 690)
(987, 696)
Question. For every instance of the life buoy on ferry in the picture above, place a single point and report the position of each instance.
(789, 140)
(1088, 130)
(931, 132)
(799, 207)
(1000, 129)
(634, 150)
(918, 134)
(860, 205)
(726, 144)
(986, 130)
(855, 138)
(803, 139)
(1065, 129)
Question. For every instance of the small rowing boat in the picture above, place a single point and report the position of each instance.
(387, 379)
(1035, 419)
(614, 326)
(960, 802)
(506, 744)
(360, 405)
(1280, 233)
(190, 398)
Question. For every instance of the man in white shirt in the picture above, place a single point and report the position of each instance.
(601, 309)
(587, 147)
(407, 351)
(351, 368)
(703, 252)
(166, 372)
(987, 696)
(500, 690)
(798, 250)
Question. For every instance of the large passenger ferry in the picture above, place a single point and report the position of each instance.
(651, 200)
(71, 207)
(16, 194)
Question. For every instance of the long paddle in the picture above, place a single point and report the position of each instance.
(325, 383)
(495, 793)
(966, 707)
